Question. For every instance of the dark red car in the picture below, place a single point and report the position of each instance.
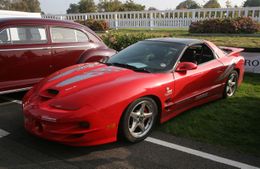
(31, 49)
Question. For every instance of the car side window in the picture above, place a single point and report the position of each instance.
(67, 35)
(23, 35)
(197, 54)
(191, 54)
(5, 37)
(207, 55)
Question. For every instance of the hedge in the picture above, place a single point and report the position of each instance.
(119, 41)
(95, 25)
(227, 25)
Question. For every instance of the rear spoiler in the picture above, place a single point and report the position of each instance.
(231, 51)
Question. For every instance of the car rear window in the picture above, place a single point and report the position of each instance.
(67, 35)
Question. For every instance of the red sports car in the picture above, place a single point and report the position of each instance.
(152, 80)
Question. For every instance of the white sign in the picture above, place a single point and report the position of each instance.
(252, 62)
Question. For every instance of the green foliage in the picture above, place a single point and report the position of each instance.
(23, 5)
(109, 5)
(228, 4)
(212, 4)
(86, 6)
(95, 25)
(251, 3)
(33, 5)
(228, 25)
(5, 4)
(74, 8)
(130, 5)
(119, 41)
(232, 122)
(116, 5)
(188, 4)
(152, 9)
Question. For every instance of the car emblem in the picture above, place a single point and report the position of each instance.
(168, 91)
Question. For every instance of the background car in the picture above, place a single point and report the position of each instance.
(152, 80)
(31, 49)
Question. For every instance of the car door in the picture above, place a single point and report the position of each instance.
(25, 56)
(68, 44)
(201, 83)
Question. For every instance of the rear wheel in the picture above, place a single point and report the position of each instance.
(231, 84)
(139, 119)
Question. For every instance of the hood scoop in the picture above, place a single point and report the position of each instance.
(48, 94)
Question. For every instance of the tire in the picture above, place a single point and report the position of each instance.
(139, 119)
(231, 85)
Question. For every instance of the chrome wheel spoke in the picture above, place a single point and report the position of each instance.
(231, 84)
(135, 115)
(134, 126)
(232, 78)
(142, 127)
(228, 89)
(148, 115)
(142, 108)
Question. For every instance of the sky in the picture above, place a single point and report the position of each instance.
(60, 6)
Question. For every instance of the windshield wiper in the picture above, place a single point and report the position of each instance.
(129, 67)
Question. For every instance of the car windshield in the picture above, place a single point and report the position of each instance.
(148, 56)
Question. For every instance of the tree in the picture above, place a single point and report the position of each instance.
(5, 4)
(109, 5)
(152, 9)
(33, 5)
(132, 6)
(212, 4)
(23, 5)
(74, 8)
(86, 6)
(228, 4)
(188, 4)
(26, 6)
(251, 3)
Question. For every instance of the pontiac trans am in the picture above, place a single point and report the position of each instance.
(151, 81)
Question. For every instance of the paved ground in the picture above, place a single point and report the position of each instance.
(18, 149)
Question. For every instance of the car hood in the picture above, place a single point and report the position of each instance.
(92, 77)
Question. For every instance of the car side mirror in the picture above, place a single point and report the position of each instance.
(185, 66)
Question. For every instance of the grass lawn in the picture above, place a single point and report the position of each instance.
(223, 40)
(232, 123)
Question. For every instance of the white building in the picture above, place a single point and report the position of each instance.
(12, 14)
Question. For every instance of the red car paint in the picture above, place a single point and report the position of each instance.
(24, 63)
(96, 95)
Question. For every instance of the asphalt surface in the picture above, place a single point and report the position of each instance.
(22, 150)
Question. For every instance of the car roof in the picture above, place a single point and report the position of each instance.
(183, 41)
(20, 20)
(32, 20)
(4, 21)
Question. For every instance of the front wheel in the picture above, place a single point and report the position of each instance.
(139, 119)
(231, 84)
